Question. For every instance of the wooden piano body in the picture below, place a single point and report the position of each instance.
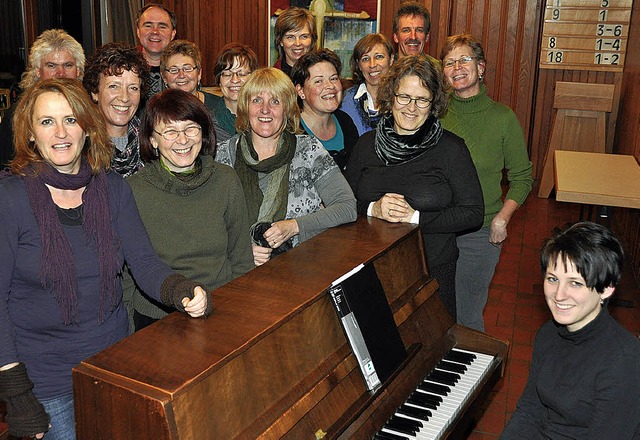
(272, 360)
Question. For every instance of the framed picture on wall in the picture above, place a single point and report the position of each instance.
(340, 24)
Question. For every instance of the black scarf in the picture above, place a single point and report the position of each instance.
(393, 148)
(57, 267)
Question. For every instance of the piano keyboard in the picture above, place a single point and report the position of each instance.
(438, 400)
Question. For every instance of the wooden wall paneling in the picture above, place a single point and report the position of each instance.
(626, 222)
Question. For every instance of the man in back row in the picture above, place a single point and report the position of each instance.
(411, 25)
(54, 54)
(156, 28)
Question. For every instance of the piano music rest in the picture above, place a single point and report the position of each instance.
(272, 360)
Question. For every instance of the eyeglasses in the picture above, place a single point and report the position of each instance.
(228, 74)
(187, 68)
(172, 135)
(406, 100)
(463, 60)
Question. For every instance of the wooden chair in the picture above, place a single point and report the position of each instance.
(579, 123)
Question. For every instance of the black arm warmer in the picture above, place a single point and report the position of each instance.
(25, 414)
(176, 287)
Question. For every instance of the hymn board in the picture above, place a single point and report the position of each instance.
(585, 34)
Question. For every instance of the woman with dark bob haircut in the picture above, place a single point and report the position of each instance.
(585, 370)
(371, 59)
(411, 170)
(205, 236)
(67, 226)
(316, 76)
(233, 66)
(115, 78)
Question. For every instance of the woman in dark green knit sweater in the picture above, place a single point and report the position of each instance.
(192, 207)
(496, 142)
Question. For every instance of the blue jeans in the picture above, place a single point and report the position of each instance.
(476, 265)
(63, 420)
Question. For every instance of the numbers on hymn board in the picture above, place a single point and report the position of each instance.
(554, 56)
(607, 58)
(608, 44)
(609, 30)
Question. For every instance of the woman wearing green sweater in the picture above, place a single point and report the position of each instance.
(496, 142)
(193, 208)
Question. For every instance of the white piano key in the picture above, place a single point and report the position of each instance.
(454, 401)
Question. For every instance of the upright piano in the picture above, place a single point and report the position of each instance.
(272, 361)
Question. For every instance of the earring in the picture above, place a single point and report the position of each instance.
(155, 150)
(199, 85)
(601, 301)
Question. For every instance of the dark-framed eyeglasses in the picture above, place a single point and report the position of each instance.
(421, 102)
(187, 68)
(172, 135)
(463, 61)
(228, 74)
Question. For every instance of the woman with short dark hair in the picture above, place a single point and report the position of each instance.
(192, 207)
(233, 66)
(584, 374)
(316, 76)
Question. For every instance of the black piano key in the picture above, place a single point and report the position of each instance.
(404, 425)
(411, 422)
(422, 401)
(389, 436)
(452, 366)
(444, 377)
(398, 427)
(433, 397)
(412, 411)
(460, 356)
(430, 387)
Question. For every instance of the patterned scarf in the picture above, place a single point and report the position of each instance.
(57, 267)
(127, 162)
(393, 148)
(369, 117)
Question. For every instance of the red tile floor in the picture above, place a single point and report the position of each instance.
(516, 309)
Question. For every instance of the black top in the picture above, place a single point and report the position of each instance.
(582, 385)
(350, 134)
(7, 151)
(441, 183)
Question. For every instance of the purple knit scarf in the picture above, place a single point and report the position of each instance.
(57, 268)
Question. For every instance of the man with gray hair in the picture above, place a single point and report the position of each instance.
(54, 54)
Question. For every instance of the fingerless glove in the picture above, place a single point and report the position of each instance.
(176, 287)
(25, 414)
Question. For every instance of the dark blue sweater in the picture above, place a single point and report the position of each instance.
(31, 327)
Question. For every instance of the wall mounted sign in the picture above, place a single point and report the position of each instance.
(585, 34)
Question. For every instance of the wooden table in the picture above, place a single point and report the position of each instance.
(597, 179)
